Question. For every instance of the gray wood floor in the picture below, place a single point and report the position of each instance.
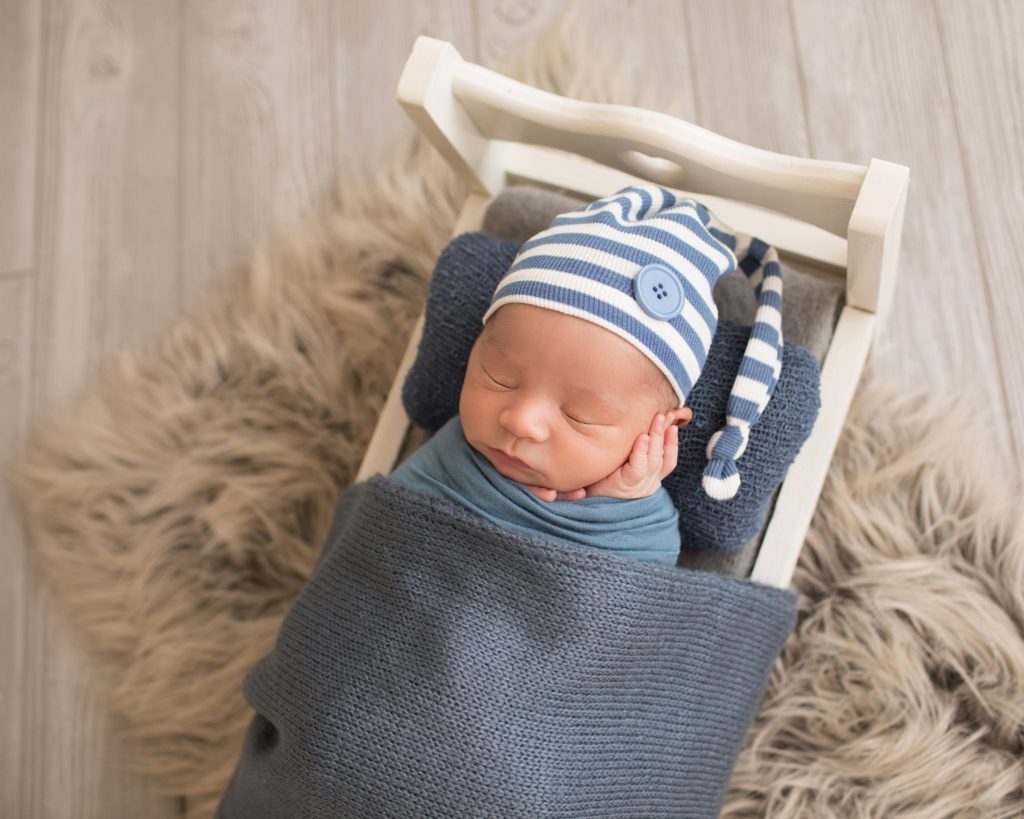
(144, 146)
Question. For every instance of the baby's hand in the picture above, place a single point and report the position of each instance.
(654, 456)
(546, 494)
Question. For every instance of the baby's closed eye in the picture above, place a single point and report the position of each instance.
(496, 381)
(586, 419)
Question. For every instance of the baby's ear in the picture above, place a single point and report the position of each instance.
(682, 416)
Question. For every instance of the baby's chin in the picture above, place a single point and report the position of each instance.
(535, 477)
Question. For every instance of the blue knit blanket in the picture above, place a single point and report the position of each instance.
(447, 466)
(436, 664)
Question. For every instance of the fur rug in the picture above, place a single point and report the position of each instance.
(178, 503)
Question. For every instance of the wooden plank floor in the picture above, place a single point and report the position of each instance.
(145, 145)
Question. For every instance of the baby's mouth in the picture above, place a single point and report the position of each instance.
(508, 460)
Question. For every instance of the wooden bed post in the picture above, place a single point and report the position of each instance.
(425, 93)
(873, 237)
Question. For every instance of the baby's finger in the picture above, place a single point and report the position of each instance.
(542, 492)
(671, 451)
(636, 467)
(656, 446)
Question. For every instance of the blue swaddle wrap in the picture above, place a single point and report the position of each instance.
(448, 466)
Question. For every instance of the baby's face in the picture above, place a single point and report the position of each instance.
(556, 401)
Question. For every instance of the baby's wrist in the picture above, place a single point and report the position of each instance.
(623, 492)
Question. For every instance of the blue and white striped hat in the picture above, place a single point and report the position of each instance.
(643, 263)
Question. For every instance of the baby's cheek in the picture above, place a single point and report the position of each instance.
(606, 456)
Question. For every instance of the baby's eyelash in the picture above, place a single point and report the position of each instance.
(495, 380)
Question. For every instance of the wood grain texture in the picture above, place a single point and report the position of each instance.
(60, 758)
(370, 44)
(985, 72)
(746, 74)
(108, 256)
(879, 90)
(104, 256)
(653, 31)
(256, 128)
(502, 27)
(15, 591)
(19, 73)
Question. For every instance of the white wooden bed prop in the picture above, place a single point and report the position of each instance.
(844, 219)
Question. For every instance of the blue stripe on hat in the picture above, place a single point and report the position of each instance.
(771, 270)
(763, 331)
(726, 239)
(698, 234)
(625, 203)
(758, 370)
(647, 201)
(676, 243)
(740, 407)
(770, 297)
(611, 314)
(624, 284)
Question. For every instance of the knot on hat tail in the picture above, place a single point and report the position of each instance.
(721, 480)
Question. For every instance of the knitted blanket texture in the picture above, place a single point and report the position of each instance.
(438, 665)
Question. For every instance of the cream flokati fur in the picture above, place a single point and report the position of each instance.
(179, 503)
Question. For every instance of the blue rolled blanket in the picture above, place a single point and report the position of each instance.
(448, 466)
(437, 664)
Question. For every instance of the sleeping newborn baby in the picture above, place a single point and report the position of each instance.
(573, 445)
(574, 391)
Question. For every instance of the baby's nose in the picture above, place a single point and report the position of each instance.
(525, 419)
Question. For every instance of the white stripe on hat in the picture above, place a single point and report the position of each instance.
(628, 305)
(716, 251)
(568, 309)
(752, 390)
(762, 351)
(651, 246)
(659, 198)
(611, 261)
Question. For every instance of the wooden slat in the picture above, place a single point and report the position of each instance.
(106, 273)
(108, 255)
(19, 749)
(875, 87)
(746, 74)
(258, 147)
(370, 44)
(59, 758)
(985, 71)
(19, 72)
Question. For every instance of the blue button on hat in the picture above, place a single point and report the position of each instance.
(659, 291)
(643, 263)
